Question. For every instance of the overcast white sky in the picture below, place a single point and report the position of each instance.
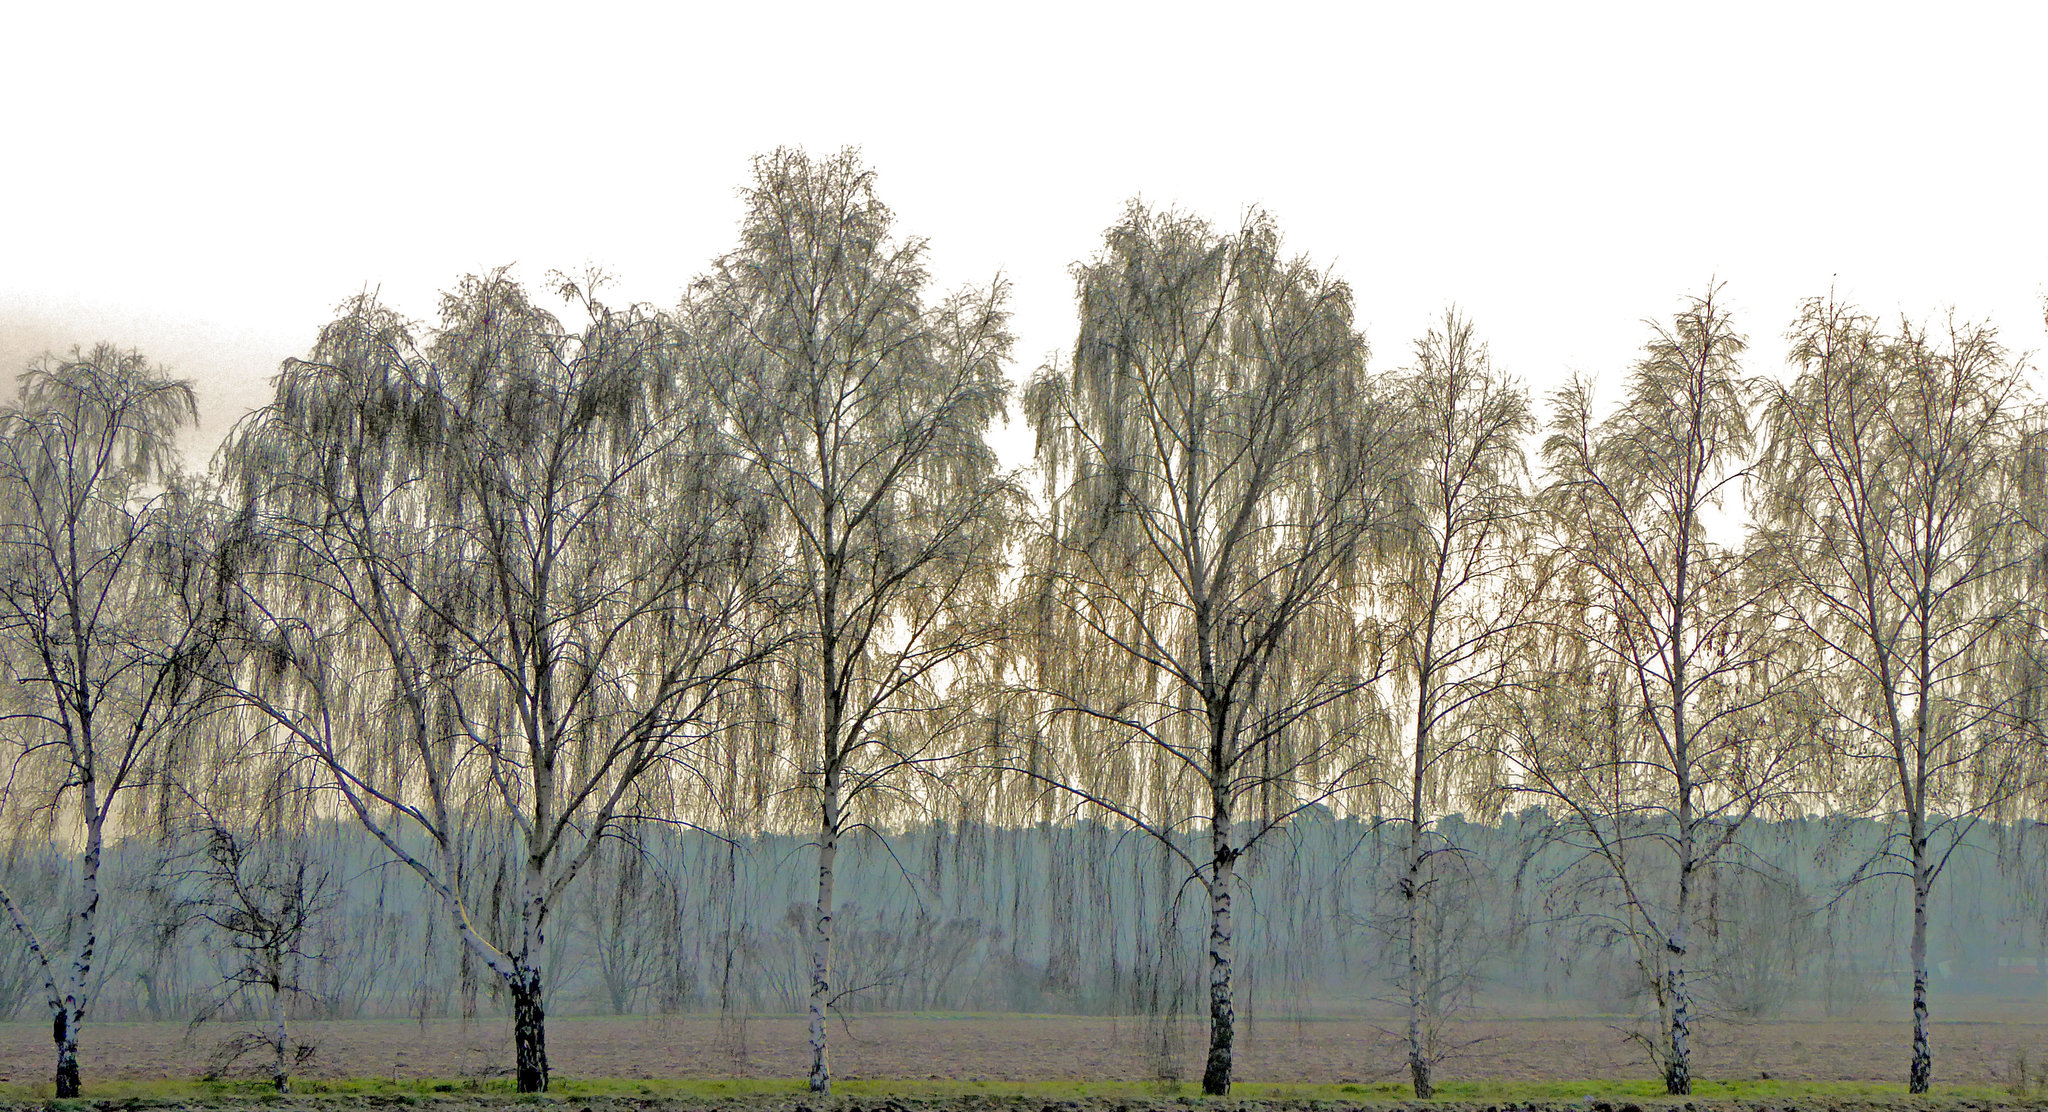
(207, 183)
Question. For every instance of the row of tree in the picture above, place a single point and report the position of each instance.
(752, 564)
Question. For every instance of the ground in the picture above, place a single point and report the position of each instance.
(1054, 1048)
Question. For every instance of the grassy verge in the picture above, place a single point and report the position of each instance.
(1817, 1094)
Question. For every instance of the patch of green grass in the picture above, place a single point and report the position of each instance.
(1574, 1092)
(424, 1090)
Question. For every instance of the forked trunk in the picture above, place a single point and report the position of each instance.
(529, 1033)
(1222, 1017)
(821, 935)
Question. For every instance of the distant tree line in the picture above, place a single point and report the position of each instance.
(578, 622)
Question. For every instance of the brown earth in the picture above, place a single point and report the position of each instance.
(505, 1102)
(1006, 1048)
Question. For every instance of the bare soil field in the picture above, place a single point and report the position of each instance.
(1013, 1048)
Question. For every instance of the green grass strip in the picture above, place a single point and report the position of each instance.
(709, 1090)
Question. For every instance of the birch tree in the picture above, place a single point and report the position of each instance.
(863, 412)
(1658, 741)
(502, 577)
(1888, 497)
(1451, 589)
(1218, 462)
(103, 642)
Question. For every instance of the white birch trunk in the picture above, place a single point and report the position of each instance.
(1678, 1056)
(821, 935)
(1411, 885)
(529, 1008)
(59, 1016)
(1921, 1073)
(1222, 1014)
(1418, 1000)
(70, 1012)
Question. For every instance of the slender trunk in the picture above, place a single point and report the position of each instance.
(280, 1076)
(71, 1013)
(1411, 885)
(1418, 1000)
(65, 1033)
(58, 1016)
(831, 687)
(1923, 1053)
(1678, 1050)
(821, 936)
(1922, 1070)
(529, 1032)
(1222, 1016)
(1678, 1058)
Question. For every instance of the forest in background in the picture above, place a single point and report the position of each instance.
(1075, 918)
(631, 658)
